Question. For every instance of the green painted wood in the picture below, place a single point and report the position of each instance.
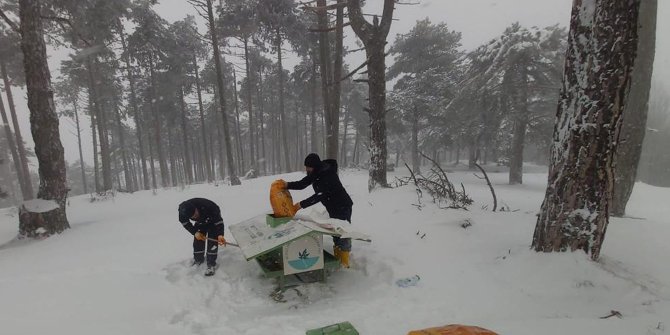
(342, 328)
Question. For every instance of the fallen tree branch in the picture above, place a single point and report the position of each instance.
(488, 182)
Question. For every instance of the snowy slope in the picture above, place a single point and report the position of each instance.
(122, 269)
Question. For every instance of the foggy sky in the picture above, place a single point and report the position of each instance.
(477, 20)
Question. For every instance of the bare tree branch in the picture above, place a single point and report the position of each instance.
(9, 22)
(488, 182)
(318, 30)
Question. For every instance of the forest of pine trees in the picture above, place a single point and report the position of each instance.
(170, 104)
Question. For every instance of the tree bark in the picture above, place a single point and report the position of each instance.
(282, 114)
(15, 155)
(96, 164)
(602, 48)
(23, 158)
(206, 157)
(152, 165)
(162, 163)
(416, 161)
(252, 126)
(101, 122)
(133, 103)
(326, 78)
(81, 152)
(520, 127)
(124, 155)
(188, 165)
(373, 37)
(234, 180)
(335, 98)
(314, 142)
(43, 118)
(262, 120)
(343, 153)
(635, 114)
(238, 128)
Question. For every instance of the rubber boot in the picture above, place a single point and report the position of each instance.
(344, 258)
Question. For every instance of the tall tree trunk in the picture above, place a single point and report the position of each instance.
(520, 126)
(96, 164)
(335, 98)
(314, 142)
(101, 122)
(124, 156)
(238, 128)
(152, 165)
(416, 162)
(133, 104)
(171, 152)
(188, 166)
(602, 48)
(221, 150)
(81, 152)
(262, 120)
(43, 121)
(516, 151)
(27, 188)
(458, 153)
(282, 114)
(355, 158)
(374, 38)
(162, 163)
(635, 114)
(234, 180)
(343, 154)
(252, 138)
(326, 79)
(15, 155)
(206, 157)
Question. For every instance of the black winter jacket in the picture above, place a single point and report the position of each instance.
(327, 187)
(209, 221)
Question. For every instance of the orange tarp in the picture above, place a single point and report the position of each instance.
(453, 330)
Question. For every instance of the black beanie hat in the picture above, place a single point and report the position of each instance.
(186, 211)
(312, 160)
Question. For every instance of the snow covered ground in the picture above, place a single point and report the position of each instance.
(122, 269)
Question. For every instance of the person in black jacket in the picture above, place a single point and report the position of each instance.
(328, 190)
(207, 229)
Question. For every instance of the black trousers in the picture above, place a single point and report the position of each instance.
(209, 248)
(343, 213)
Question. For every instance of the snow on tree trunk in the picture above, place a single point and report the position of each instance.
(373, 37)
(377, 111)
(601, 52)
(43, 121)
(635, 116)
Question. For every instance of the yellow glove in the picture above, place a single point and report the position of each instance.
(297, 207)
(222, 240)
(200, 236)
